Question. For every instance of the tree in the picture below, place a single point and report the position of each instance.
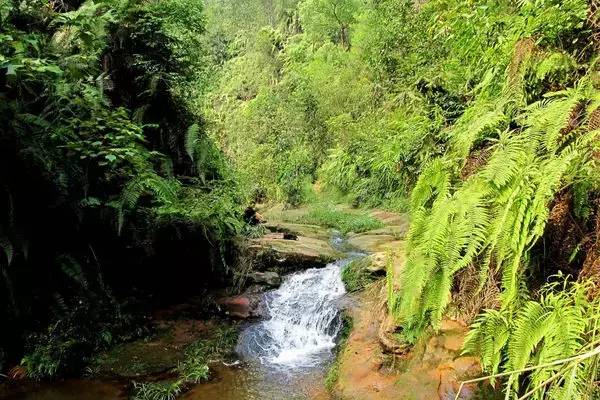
(329, 19)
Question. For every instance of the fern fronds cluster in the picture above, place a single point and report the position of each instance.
(550, 336)
(498, 213)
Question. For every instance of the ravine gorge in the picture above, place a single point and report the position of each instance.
(299, 199)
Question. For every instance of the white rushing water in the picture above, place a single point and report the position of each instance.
(304, 320)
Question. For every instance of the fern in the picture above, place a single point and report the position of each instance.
(163, 190)
(191, 140)
(8, 249)
(538, 334)
(495, 216)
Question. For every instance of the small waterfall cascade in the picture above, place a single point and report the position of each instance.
(304, 320)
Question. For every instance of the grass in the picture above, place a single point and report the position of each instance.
(343, 221)
(356, 276)
(193, 369)
(164, 390)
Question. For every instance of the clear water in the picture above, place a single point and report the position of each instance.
(286, 355)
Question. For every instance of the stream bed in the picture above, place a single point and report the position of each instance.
(284, 356)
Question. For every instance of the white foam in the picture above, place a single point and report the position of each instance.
(304, 320)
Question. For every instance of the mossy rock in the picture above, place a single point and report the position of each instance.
(359, 273)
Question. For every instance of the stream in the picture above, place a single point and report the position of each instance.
(284, 356)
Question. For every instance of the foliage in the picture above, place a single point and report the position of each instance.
(166, 390)
(193, 369)
(343, 221)
(332, 375)
(560, 324)
(496, 215)
(70, 340)
(356, 275)
(101, 145)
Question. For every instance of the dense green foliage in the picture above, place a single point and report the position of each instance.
(103, 155)
(134, 121)
(549, 332)
(479, 118)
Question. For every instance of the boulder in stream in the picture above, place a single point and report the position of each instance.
(269, 278)
(241, 307)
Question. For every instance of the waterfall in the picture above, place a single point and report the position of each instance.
(304, 320)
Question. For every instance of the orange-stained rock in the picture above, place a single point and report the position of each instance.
(453, 373)
(432, 369)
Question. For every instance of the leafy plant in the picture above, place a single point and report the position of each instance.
(496, 215)
(546, 348)
(157, 390)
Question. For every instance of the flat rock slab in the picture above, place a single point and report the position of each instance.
(377, 240)
(274, 252)
(306, 230)
(391, 218)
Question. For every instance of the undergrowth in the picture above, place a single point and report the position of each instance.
(556, 335)
(343, 221)
(193, 369)
(356, 275)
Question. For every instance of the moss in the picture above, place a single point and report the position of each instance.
(333, 373)
(356, 275)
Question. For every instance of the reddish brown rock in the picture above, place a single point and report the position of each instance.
(236, 307)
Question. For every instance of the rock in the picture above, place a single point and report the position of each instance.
(268, 278)
(387, 332)
(378, 263)
(272, 250)
(290, 236)
(154, 355)
(372, 242)
(391, 218)
(453, 373)
(312, 231)
(252, 217)
(236, 306)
